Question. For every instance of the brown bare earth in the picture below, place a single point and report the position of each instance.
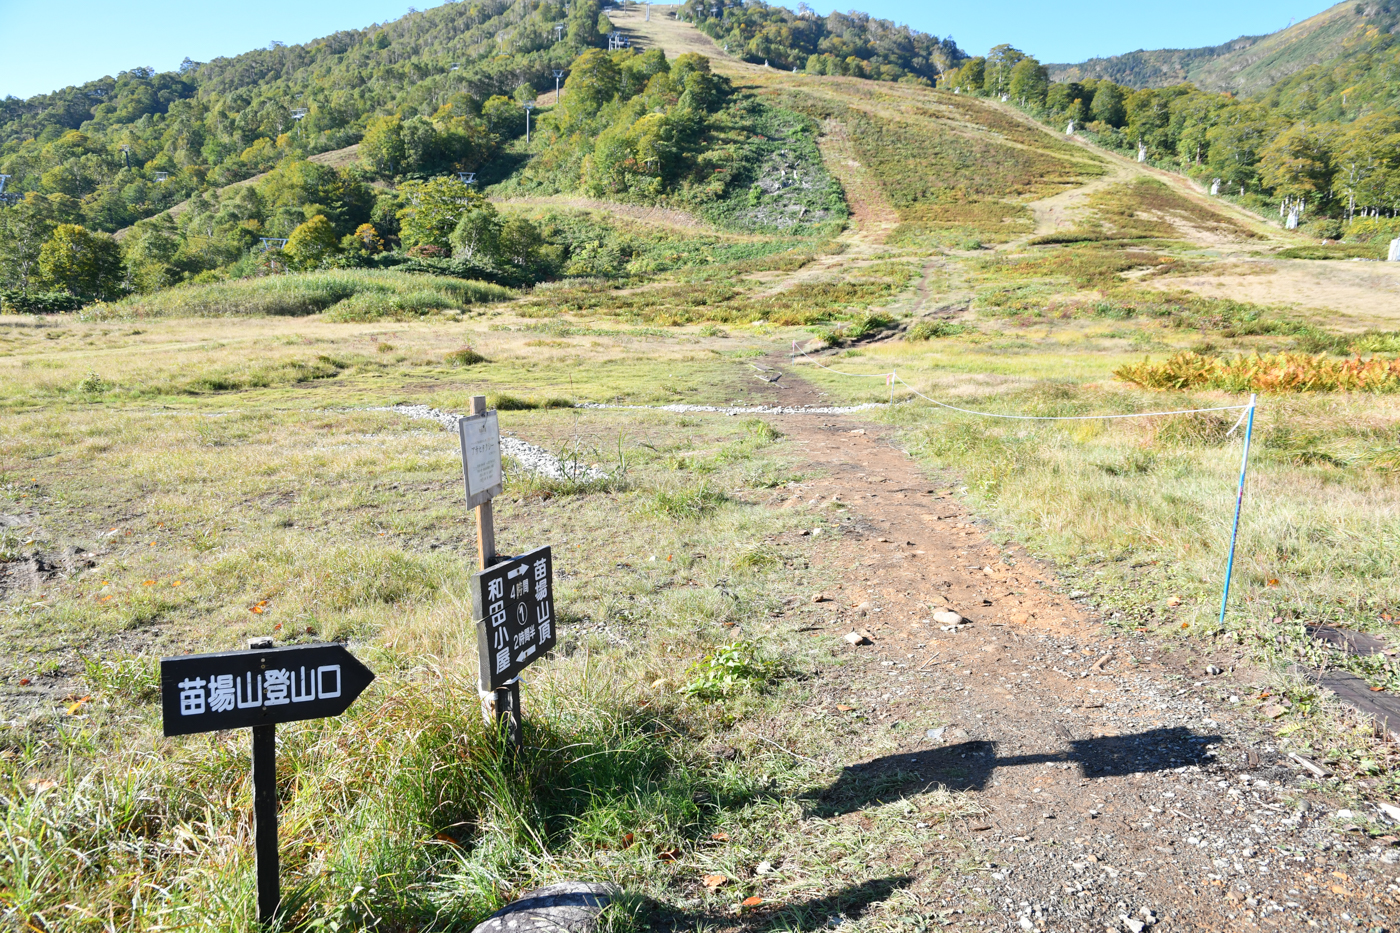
(1115, 779)
(1362, 294)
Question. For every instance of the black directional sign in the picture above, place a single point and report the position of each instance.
(238, 689)
(513, 604)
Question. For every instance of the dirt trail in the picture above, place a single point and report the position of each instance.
(1064, 210)
(1125, 169)
(1114, 774)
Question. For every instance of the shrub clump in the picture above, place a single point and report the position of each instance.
(928, 330)
(1274, 372)
(464, 356)
(731, 669)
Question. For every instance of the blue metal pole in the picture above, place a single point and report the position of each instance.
(1239, 503)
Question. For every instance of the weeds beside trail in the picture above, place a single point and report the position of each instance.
(404, 814)
(1281, 372)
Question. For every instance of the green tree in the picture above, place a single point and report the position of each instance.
(969, 76)
(382, 148)
(594, 81)
(1368, 162)
(504, 116)
(150, 252)
(434, 209)
(1298, 161)
(1001, 60)
(478, 233)
(1148, 113)
(520, 243)
(312, 243)
(80, 262)
(1030, 82)
(24, 229)
(1108, 104)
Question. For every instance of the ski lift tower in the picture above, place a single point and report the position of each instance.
(558, 31)
(3, 179)
(454, 66)
(616, 41)
(529, 105)
(162, 177)
(126, 155)
(298, 115)
(648, 5)
(558, 76)
(467, 178)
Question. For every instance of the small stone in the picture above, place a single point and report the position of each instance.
(764, 868)
(1133, 926)
(947, 617)
(936, 735)
(1213, 670)
(1274, 711)
(864, 607)
(1344, 815)
(1174, 601)
(1391, 811)
(1025, 923)
(859, 638)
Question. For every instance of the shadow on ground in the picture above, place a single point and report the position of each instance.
(968, 766)
(847, 903)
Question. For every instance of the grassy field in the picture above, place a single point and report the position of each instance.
(215, 462)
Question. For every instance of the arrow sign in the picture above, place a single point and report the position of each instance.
(513, 603)
(238, 689)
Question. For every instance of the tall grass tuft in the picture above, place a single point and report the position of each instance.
(344, 295)
(406, 813)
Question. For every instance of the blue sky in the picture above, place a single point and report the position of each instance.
(49, 44)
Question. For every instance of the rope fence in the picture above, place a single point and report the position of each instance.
(1246, 417)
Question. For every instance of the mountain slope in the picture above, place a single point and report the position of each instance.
(1246, 65)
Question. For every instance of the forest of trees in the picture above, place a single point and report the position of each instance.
(1328, 135)
(433, 92)
(131, 146)
(229, 143)
(851, 44)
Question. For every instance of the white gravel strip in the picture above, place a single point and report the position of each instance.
(534, 459)
(754, 410)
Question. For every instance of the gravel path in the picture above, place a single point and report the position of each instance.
(533, 459)
(743, 410)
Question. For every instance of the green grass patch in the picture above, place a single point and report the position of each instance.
(1334, 251)
(344, 295)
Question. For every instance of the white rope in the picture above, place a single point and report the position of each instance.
(892, 376)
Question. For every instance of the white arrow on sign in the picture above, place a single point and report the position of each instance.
(525, 654)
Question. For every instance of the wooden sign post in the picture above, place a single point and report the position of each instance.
(258, 689)
(512, 598)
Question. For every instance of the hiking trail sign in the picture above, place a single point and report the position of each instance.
(260, 688)
(513, 605)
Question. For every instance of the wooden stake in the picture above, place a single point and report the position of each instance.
(266, 856)
(501, 707)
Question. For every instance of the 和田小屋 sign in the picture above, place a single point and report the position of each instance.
(513, 604)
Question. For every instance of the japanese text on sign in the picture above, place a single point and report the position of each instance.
(237, 689)
(223, 692)
(481, 457)
(514, 608)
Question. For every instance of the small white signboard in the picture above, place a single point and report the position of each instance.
(481, 457)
